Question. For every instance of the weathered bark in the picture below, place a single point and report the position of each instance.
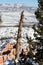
(19, 34)
(0, 20)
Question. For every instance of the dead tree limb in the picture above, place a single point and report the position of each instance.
(19, 34)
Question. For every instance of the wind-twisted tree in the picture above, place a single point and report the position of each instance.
(0, 20)
(19, 34)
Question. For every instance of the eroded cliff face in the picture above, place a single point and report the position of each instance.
(8, 52)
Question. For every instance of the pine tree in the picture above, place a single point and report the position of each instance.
(29, 41)
(39, 30)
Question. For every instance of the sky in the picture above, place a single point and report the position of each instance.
(33, 3)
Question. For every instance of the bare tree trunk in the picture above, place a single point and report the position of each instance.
(19, 34)
(0, 19)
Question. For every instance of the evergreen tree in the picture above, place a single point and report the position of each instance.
(39, 30)
(29, 41)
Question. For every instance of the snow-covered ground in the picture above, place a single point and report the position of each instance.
(13, 18)
(11, 34)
